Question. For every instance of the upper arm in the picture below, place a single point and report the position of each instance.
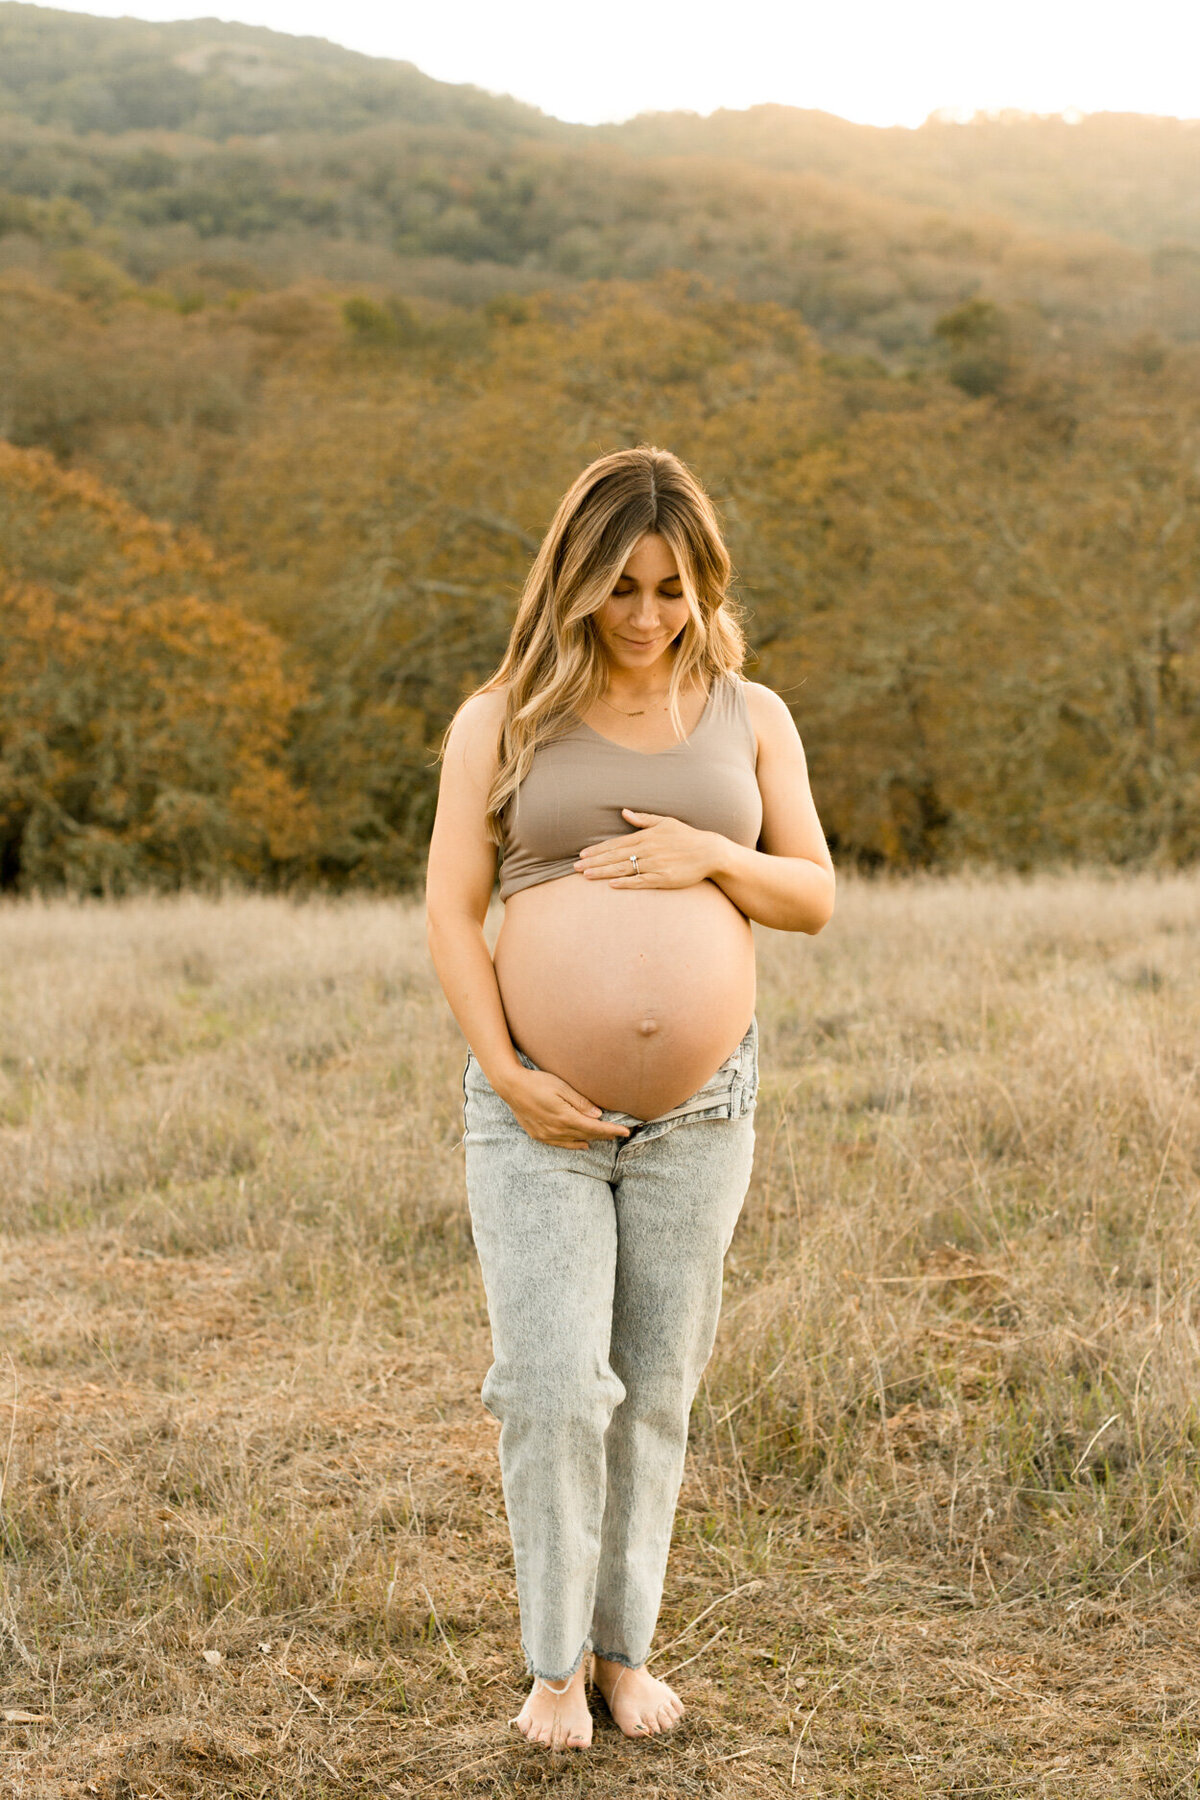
(790, 824)
(462, 857)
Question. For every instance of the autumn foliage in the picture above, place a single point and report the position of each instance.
(956, 460)
(977, 596)
(143, 719)
(347, 333)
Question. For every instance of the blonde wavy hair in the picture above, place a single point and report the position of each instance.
(554, 669)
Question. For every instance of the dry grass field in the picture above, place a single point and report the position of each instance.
(940, 1529)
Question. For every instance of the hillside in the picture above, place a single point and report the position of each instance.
(1135, 178)
(351, 368)
(217, 79)
(975, 583)
(207, 157)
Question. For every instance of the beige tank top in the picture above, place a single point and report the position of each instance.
(577, 785)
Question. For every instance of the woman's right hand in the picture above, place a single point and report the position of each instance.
(550, 1110)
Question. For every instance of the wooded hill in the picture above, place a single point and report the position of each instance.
(266, 159)
(288, 410)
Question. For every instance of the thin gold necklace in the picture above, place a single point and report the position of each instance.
(640, 713)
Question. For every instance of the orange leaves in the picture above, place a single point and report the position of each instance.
(983, 609)
(142, 728)
(66, 508)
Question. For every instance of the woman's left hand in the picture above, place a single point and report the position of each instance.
(670, 854)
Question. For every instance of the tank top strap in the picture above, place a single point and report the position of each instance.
(726, 689)
(729, 711)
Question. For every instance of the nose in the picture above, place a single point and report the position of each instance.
(645, 612)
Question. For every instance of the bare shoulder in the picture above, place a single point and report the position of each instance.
(474, 737)
(770, 716)
(481, 713)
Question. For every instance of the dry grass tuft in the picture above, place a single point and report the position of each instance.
(940, 1532)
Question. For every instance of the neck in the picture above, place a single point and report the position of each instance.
(636, 685)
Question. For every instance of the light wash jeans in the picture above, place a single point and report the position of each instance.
(603, 1271)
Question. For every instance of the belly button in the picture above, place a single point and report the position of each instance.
(648, 1027)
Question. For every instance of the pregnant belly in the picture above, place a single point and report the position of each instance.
(635, 998)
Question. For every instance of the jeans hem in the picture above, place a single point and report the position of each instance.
(615, 1656)
(543, 1674)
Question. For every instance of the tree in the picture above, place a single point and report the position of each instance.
(143, 719)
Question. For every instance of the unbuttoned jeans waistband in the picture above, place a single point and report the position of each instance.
(728, 1094)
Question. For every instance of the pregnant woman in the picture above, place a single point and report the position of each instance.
(644, 804)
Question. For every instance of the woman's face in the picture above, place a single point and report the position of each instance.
(646, 610)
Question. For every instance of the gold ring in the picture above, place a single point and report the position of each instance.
(634, 861)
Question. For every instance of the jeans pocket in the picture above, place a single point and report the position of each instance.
(478, 1093)
(466, 1093)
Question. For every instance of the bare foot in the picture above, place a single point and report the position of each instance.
(641, 1705)
(557, 1714)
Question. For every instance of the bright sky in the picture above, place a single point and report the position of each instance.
(882, 62)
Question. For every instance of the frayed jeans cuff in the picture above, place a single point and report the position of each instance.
(544, 1674)
(615, 1656)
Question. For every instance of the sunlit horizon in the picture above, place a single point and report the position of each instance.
(869, 64)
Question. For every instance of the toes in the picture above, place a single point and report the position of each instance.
(555, 1733)
(672, 1706)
